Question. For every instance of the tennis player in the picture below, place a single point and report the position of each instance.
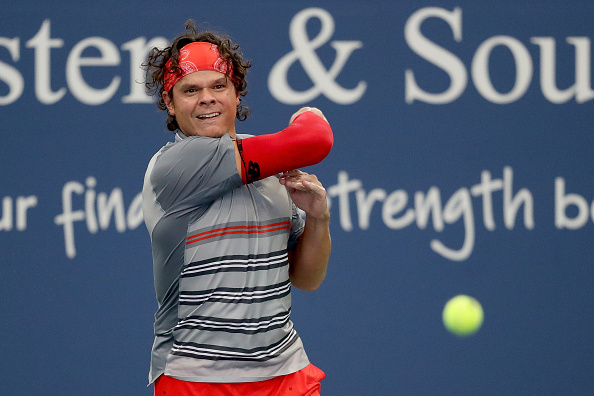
(228, 241)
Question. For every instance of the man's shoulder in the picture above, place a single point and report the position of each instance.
(179, 146)
(193, 153)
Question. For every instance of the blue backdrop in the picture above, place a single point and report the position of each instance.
(462, 165)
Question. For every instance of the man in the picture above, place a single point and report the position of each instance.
(227, 239)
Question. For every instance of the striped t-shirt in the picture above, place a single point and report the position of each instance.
(220, 266)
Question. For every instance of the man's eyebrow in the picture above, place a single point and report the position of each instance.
(190, 85)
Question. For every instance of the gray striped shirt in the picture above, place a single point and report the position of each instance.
(220, 266)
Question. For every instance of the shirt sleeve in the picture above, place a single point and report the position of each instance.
(195, 171)
(297, 225)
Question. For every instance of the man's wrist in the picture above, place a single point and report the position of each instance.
(324, 219)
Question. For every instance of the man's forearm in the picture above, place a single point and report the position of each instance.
(310, 259)
(305, 142)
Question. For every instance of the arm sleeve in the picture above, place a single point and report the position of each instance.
(307, 141)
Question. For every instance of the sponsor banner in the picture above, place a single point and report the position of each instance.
(461, 165)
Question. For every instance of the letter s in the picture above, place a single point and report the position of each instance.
(11, 76)
(435, 54)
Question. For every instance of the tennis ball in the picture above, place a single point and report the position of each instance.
(463, 315)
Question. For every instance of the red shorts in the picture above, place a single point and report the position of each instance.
(305, 382)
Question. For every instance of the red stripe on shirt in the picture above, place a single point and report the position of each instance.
(257, 229)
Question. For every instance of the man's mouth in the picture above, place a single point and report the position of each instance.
(206, 116)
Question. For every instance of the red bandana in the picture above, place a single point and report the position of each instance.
(194, 57)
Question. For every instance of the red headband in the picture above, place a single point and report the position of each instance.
(194, 57)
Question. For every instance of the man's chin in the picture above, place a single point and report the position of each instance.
(207, 133)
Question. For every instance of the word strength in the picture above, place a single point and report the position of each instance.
(430, 208)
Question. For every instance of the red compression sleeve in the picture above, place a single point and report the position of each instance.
(305, 142)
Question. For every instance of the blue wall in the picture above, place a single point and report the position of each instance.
(462, 164)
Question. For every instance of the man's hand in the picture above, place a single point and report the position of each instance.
(314, 110)
(307, 193)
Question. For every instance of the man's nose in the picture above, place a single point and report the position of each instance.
(207, 97)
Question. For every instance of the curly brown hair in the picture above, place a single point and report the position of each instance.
(157, 59)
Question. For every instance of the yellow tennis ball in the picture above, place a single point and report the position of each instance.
(463, 315)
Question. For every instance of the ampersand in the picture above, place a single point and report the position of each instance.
(304, 51)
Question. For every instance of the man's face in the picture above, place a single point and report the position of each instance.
(204, 104)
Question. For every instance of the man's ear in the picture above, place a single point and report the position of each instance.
(168, 103)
